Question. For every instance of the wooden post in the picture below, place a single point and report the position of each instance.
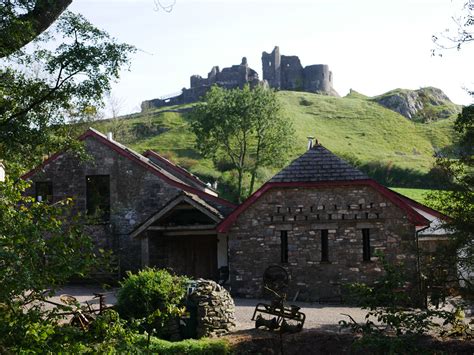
(145, 250)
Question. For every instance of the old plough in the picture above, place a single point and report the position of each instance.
(276, 315)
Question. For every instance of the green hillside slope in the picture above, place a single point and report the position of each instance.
(389, 147)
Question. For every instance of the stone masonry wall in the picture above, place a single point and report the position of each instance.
(254, 239)
(135, 194)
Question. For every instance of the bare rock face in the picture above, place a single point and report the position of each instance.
(215, 309)
(425, 104)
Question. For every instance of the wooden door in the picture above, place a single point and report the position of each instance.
(194, 256)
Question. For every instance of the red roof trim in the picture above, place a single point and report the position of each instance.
(174, 167)
(416, 204)
(41, 166)
(124, 153)
(415, 217)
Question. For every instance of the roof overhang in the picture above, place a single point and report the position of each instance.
(208, 211)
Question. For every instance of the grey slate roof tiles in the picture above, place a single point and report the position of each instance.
(316, 165)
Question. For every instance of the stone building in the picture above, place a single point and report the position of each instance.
(323, 221)
(286, 73)
(319, 218)
(144, 208)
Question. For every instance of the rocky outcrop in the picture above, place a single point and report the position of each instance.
(425, 104)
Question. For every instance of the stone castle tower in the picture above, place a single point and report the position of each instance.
(286, 73)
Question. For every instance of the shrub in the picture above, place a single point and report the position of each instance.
(151, 297)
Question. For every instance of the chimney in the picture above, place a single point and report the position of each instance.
(2, 172)
(110, 136)
(310, 142)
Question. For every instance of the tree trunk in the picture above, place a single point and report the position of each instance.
(26, 27)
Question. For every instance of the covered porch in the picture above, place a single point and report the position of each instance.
(182, 237)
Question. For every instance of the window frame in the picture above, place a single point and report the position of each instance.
(284, 247)
(49, 197)
(94, 212)
(324, 246)
(366, 253)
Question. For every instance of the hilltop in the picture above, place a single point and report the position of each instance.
(423, 105)
(389, 147)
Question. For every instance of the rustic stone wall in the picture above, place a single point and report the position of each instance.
(215, 309)
(254, 239)
(135, 194)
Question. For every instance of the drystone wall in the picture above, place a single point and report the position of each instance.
(215, 309)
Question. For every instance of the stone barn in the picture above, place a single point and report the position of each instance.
(324, 222)
(147, 210)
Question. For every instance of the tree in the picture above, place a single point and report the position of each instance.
(243, 126)
(458, 201)
(40, 248)
(462, 33)
(24, 20)
(71, 79)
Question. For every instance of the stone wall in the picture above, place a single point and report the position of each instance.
(255, 243)
(215, 309)
(135, 194)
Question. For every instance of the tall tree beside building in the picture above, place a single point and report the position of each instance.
(245, 127)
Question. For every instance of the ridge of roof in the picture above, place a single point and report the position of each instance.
(175, 167)
(137, 158)
(316, 165)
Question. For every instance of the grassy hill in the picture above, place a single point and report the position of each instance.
(389, 147)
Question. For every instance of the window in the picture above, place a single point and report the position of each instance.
(284, 246)
(44, 191)
(366, 244)
(324, 245)
(98, 197)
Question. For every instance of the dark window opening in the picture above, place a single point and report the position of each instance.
(44, 191)
(98, 197)
(305, 218)
(311, 208)
(366, 244)
(343, 216)
(366, 215)
(360, 206)
(284, 246)
(317, 217)
(335, 207)
(278, 209)
(329, 216)
(324, 245)
(289, 209)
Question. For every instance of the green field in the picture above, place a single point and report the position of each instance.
(386, 145)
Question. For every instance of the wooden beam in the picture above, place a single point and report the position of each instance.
(193, 233)
(186, 228)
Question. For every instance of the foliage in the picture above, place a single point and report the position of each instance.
(190, 346)
(458, 202)
(244, 127)
(390, 325)
(62, 76)
(152, 297)
(366, 131)
(41, 247)
(24, 20)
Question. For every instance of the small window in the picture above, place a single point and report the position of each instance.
(284, 246)
(324, 245)
(366, 244)
(44, 191)
(98, 197)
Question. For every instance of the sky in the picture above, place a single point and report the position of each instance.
(371, 46)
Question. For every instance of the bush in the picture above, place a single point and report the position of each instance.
(151, 297)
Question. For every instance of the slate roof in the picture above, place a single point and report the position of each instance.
(316, 165)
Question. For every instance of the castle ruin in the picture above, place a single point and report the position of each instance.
(279, 72)
(284, 72)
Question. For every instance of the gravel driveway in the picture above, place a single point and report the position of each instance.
(323, 316)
